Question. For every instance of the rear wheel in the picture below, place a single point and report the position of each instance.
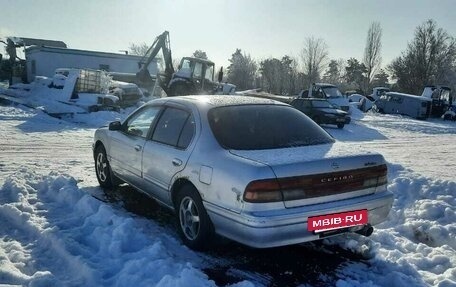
(340, 126)
(195, 226)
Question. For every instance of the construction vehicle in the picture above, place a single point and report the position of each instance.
(194, 75)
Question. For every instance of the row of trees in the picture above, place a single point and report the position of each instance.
(430, 58)
(288, 75)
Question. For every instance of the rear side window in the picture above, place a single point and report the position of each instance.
(254, 127)
(170, 127)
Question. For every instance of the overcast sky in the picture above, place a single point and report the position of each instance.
(262, 28)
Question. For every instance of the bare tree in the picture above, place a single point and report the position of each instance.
(313, 56)
(372, 57)
(429, 57)
(138, 49)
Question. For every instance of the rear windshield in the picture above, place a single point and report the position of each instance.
(253, 127)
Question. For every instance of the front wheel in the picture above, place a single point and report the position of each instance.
(103, 169)
(195, 226)
(340, 126)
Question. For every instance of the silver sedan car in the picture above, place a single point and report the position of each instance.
(254, 170)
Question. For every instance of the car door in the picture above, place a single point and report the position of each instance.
(307, 108)
(127, 144)
(167, 151)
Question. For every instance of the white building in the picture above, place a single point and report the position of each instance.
(43, 61)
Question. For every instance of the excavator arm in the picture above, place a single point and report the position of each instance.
(161, 43)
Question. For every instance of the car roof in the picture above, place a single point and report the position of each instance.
(218, 100)
(325, 85)
(312, 99)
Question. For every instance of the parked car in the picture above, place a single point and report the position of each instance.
(254, 170)
(322, 111)
(363, 103)
(404, 104)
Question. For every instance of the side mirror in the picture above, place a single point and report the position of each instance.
(220, 75)
(115, 126)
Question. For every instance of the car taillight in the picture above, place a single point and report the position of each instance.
(267, 190)
(316, 185)
(377, 178)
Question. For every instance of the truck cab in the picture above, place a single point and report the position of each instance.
(377, 92)
(194, 76)
(328, 92)
(441, 98)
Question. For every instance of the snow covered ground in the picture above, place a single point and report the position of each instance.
(55, 232)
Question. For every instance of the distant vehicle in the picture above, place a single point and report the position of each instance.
(377, 92)
(441, 98)
(195, 76)
(322, 111)
(404, 104)
(328, 92)
(253, 170)
(363, 103)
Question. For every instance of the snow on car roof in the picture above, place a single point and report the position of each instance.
(224, 100)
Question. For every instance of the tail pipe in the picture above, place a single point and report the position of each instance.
(366, 230)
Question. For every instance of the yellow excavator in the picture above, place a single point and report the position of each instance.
(194, 75)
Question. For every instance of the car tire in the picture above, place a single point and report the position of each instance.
(103, 170)
(194, 225)
(340, 126)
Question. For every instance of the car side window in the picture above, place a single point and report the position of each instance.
(187, 133)
(139, 124)
(170, 126)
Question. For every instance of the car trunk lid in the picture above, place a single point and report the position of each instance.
(317, 174)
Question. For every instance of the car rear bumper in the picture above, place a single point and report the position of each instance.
(331, 120)
(289, 226)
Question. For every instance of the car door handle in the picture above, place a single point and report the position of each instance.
(138, 148)
(177, 162)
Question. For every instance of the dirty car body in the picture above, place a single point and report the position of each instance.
(258, 171)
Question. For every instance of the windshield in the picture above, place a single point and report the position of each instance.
(255, 127)
(332, 92)
(321, 104)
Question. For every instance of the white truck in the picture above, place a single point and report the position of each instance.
(326, 91)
